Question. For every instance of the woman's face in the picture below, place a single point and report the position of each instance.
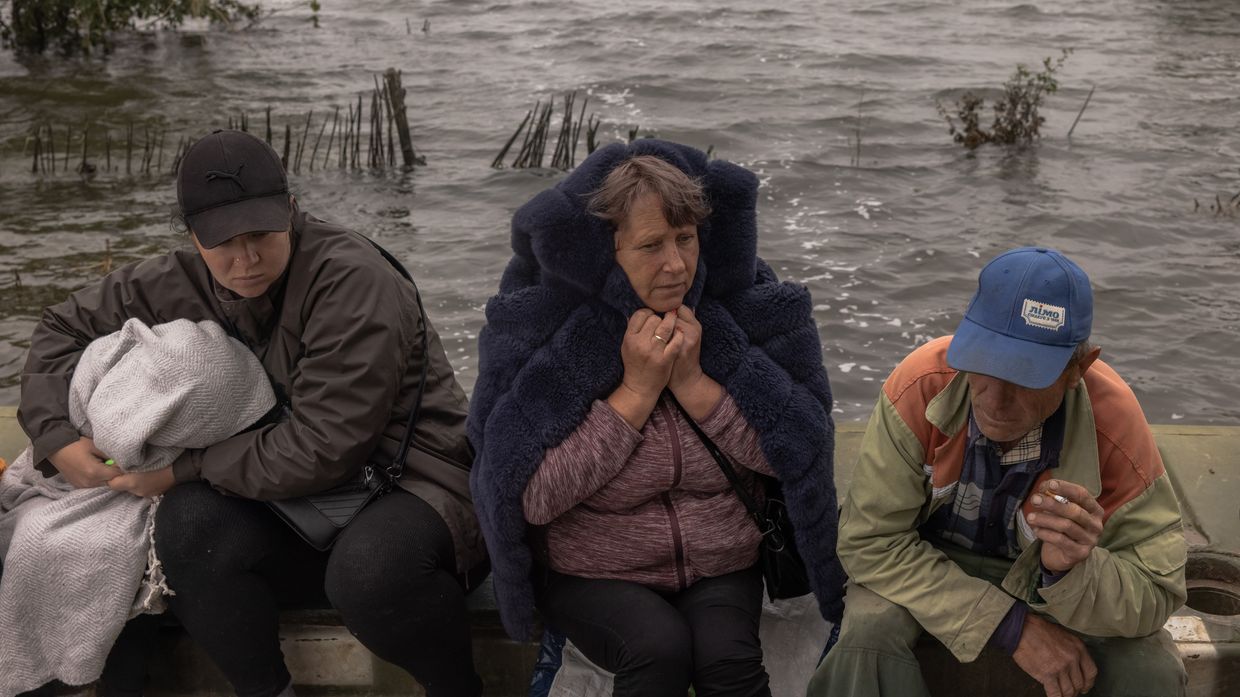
(248, 264)
(658, 259)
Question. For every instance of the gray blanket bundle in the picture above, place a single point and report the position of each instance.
(78, 563)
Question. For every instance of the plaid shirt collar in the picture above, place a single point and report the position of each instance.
(1046, 437)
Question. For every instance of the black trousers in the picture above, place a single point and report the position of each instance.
(391, 575)
(659, 643)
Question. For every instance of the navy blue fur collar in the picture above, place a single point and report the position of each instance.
(551, 346)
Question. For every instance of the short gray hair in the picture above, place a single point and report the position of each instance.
(684, 199)
(1082, 349)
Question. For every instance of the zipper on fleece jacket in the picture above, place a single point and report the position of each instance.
(682, 575)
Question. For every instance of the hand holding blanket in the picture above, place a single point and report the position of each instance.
(74, 559)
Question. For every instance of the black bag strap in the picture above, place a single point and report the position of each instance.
(397, 468)
(755, 511)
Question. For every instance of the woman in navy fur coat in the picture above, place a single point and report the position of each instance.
(634, 302)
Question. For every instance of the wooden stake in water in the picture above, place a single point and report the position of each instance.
(572, 158)
(328, 154)
(346, 137)
(396, 93)
(357, 136)
(391, 122)
(592, 134)
(315, 153)
(498, 162)
(147, 149)
(301, 145)
(856, 158)
(176, 159)
(83, 167)
(159, 165)
(51, 149)
(1082, 111)
(374, 141)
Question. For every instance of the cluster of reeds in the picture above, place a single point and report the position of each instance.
(534, 145)
(43, 147)
(384, 127)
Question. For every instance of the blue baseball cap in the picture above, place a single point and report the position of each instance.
(1032, 307)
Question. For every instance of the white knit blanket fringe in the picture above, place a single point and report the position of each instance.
(79, 563)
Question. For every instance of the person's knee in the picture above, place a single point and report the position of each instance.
(873, 623)
(1144, 666)
(367, 571)
(728, 664)
(192, 523)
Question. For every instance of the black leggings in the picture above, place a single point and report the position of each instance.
(391, 574)
(658, 643)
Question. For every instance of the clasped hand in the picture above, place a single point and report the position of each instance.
(663, 352)
(83, 466)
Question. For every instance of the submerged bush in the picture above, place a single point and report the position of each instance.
(83, 25)
(1016, 117)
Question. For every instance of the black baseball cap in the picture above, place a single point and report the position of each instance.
(231, 183)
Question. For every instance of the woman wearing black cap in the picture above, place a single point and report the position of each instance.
(349, 352)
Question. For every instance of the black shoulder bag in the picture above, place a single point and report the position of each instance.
(782, 567)
(319, 518)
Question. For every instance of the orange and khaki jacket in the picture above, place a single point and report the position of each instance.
(910, 462)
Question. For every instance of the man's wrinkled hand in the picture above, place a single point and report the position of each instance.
(1069, 529)
(1055, 657)
(145, 484)
(81, 464)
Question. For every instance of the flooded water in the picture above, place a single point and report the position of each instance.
(889, 248)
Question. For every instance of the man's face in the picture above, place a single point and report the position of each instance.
(1005, 411)
(248, 264)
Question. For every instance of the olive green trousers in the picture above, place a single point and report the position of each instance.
(874, 656)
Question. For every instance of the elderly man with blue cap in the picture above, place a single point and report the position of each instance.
(1009, 497)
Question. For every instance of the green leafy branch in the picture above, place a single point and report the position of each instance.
(1017, 120)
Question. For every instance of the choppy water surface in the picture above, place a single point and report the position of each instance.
(890, 249)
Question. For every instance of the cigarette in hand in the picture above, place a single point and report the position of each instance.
(1057, 497)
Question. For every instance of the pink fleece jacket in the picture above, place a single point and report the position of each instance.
(652, 506)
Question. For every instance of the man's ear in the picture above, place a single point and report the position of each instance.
(1083, 364)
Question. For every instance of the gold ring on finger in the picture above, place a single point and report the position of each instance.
(659, 338)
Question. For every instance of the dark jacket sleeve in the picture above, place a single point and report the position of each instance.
(358, 338)
(66, 329)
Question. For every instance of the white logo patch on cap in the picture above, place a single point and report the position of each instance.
(1039, 314)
